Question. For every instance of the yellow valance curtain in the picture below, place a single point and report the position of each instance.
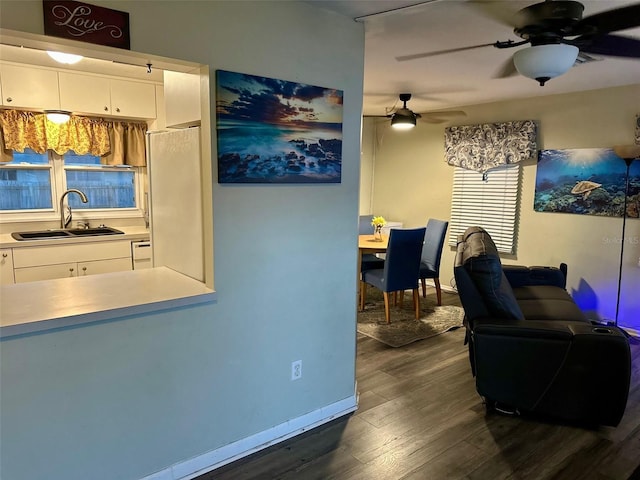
(118, 143)
(127, 144)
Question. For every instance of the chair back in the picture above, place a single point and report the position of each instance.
(402, 263)
(433, 244)
(364, 225)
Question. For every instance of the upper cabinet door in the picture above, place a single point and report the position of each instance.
(84, 93)
(181, 99)
(29, 87)
(133, 99)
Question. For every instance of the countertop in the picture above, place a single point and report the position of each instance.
(49, 304)
(130, 233)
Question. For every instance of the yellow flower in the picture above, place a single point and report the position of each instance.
(378, 222)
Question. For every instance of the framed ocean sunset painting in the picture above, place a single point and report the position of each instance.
(276, 131)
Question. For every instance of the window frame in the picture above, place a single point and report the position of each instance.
(57, 177)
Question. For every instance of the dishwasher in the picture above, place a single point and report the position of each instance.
(141, 254)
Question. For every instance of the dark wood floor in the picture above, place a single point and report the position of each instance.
(419, 417)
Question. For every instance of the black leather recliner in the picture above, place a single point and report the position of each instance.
(531, 348)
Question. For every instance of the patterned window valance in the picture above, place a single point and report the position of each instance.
(118, 143)
(482, 147)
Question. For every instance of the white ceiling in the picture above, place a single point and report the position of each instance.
(466, 77)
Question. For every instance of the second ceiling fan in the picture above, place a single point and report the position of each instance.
(403, 118)
(558, 34)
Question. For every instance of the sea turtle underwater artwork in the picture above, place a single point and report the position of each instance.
(584, 187)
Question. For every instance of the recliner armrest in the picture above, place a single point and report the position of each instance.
(521, 276)
(547, 329)
(530, 365)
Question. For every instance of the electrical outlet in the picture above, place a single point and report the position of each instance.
(296, 370)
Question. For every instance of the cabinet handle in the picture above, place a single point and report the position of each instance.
(4, 255)
(84, 270)
(106, 109)
(117, 110)
(71, 272)
(9, 99)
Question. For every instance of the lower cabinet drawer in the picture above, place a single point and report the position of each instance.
(104, 266)
(80, 252)
(62, 270)
(45, 272)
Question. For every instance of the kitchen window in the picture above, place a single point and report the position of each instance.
(490, 200)
(33, 182)
(105, 186)
(26, 182)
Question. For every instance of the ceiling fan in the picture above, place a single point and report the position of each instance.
(403, 118)
(558, 34)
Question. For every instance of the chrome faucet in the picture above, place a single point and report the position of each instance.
(83, 197)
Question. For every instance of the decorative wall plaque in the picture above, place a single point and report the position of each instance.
(86, 23)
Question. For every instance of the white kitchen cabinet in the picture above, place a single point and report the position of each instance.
(133, 99)
(46, 272)
(59, 261)
(104, 266)
(29, 87)
(6, 267)
(84, 93)
(96, 95)
(182, 99)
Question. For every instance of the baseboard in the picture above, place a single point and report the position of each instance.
(444, 288)
(209, 461)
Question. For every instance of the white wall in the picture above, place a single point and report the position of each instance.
(413, 183)
(127, 398)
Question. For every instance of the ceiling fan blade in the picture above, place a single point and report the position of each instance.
(441, 117)
(609, 21)
(610, 45)
(434, 120)
(507, 69)
(404, 58)
(445, 113)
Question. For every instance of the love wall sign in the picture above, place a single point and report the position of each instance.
(87, 23)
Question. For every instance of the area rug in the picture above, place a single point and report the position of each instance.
(404, 328)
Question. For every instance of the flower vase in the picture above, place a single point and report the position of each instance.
(377, 234)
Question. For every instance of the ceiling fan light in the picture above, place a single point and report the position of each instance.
(66, 58)
(543, 62)
(403, 122)
(57, 116)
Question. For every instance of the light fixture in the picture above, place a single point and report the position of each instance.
(403, 119)
(543, 62)
(628, 153)
(66, 58)
(57, 116)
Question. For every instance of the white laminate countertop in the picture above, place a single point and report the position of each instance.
(130, 233)
(44, 305)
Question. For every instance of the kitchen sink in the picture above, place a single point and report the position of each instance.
(84, 232)
(40, 235)
(69, 233)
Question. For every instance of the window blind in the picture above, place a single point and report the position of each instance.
(489, 201)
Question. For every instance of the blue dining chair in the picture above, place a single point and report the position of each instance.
(364, 225)
(432, 254)
(400, 271)
(369, 261)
